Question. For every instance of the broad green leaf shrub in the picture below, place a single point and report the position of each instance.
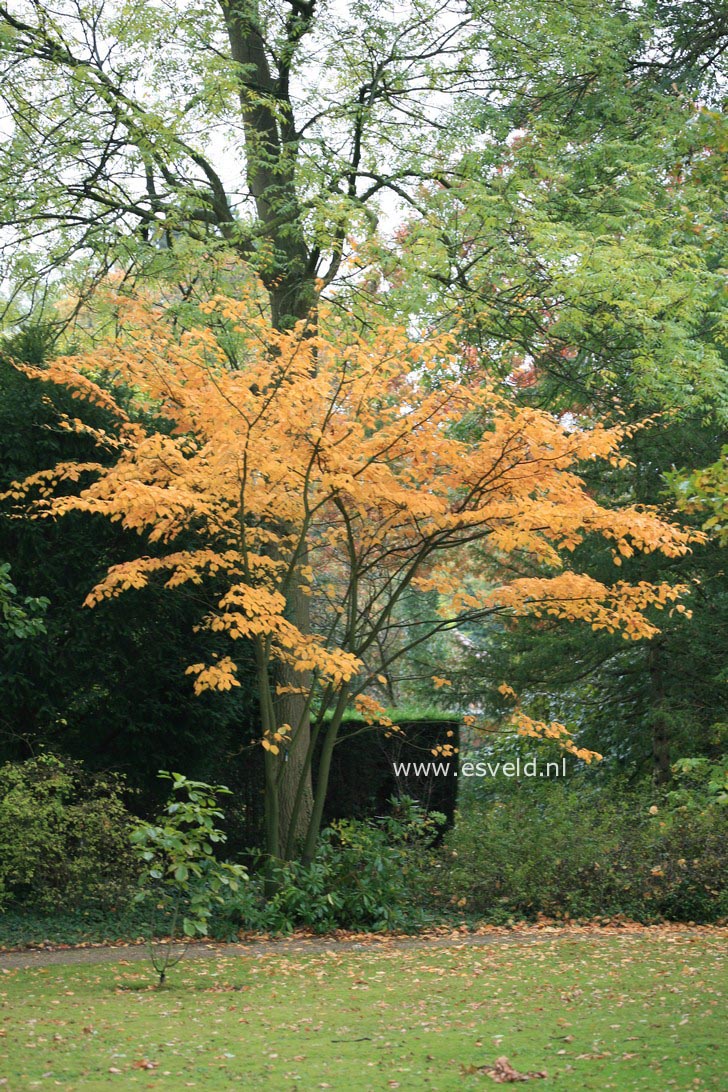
(64, 837)
(699, 782)
(19, 618)
(366, 875)
(580, 851)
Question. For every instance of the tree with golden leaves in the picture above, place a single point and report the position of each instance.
(375, 460)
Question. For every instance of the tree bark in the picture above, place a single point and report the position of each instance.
(288, 273)
(661, 769)
(294, 806)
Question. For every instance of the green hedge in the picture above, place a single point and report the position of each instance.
(585, 850)
(362, 784)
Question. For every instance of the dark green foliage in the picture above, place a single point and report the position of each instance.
(106, 686)
(580, 849)
(22, 927)
(63, 837)
(19, 618)
(705, 491)
(367, 875)
(363, 779)
(699, 783)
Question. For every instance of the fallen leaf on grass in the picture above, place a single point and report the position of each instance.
(502, 1072)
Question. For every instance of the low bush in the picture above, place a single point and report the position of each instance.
(580, 848)
(367, 875)
(64, 837)
(584, 849)
(180, 873)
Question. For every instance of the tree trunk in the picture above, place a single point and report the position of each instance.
(661, 770)
(294, 807)
(294, 300)
(288, 271)
(322, 780)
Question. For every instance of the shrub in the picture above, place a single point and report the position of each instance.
(180, 874)
(19, 618)
(582, 850)
(64, 836)
(367, 875)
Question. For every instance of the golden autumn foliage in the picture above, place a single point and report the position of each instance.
(358, 468)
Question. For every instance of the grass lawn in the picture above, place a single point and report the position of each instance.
(595, 1012)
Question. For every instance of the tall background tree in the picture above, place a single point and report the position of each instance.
(588, 269)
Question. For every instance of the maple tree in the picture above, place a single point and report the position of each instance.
(378, 459)
(283, 131)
